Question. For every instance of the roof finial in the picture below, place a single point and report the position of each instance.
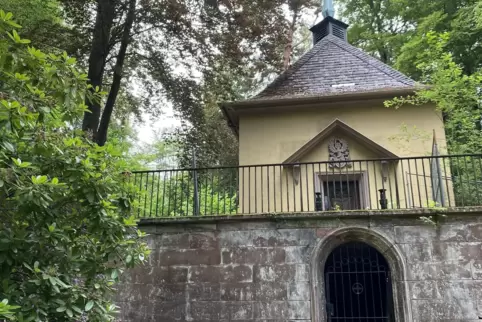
(328, 8)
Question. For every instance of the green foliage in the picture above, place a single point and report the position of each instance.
(172, 193)
(67, 230)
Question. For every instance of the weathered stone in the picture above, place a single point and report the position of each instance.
(302, 273)
(168, 275)
(166, 292)
(209, 311)
(172, 240)
(165, 310)
(203, 240)
(260, 270)
(274, 273)
(251, 255)
(189, 257)
(270, 291)
(417, 253)
(299, 291)
(298, 254)
(204, 291)
(283, 237)
(237, 292)
(282, 310)
(217, 274)
(415, 234)
(421, 290)
(457, 251)
(477, 271)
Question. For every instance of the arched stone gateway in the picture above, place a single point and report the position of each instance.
(358, 273)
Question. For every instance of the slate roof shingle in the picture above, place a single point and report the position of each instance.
(333, 61)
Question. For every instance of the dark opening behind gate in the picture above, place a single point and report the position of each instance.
(358, 285)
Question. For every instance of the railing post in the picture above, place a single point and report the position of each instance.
(195, 208)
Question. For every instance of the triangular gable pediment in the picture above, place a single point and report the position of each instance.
(339, 126)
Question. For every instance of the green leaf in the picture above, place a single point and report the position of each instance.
(89, 305)
(61, 309)
(69, 313)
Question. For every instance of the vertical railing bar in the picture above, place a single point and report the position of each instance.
(211, 193)
(403, 183)
(274, 188)
(301, 188)
(425, 182)
(383, 181)
(418, 184)
(157, 197)
(478, 177)
(206, 188)
(461, 182)
(140, 196)
(468, 181)
(356, 183)
(330, 176)
(369, 187)
(397, 191)
(181, 210)
(163, 193)
(219, 189)
(379, 283)
(230, 193)
(447, 181)
(475, 185)
(320, 182)
(169, 196)
(255, 190)
(411, 183)
(307, 189)
(147, 192)
(287, 191)
(152, 195)
(267, 179)
(376, 184)
(249, 189)
(349, 277)
(262, 190)
(175, 192)
(347, 176)
(340, 180)
(390, 184)
(294, 190)
(357, 250)
(188, 193)
(244, 190)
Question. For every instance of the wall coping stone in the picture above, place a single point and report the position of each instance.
(353, 214)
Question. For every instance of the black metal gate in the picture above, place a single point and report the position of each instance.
(358, 285)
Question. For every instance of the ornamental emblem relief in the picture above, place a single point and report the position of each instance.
(339, 153)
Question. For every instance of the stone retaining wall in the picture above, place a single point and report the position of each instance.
(259, 268)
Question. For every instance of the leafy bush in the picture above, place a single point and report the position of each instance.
(66, 229)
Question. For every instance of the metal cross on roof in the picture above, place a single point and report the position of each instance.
(328, 8)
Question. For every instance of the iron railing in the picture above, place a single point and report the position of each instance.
(402, 183)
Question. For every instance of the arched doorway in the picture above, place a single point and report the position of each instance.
(358, 285)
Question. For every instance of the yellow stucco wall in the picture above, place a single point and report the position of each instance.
(267, 138)
(271, 137)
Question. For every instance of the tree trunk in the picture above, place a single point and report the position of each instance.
(97, 58)
(118, 69)
(289, 45)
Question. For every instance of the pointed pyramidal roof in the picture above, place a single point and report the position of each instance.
(334, 67)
